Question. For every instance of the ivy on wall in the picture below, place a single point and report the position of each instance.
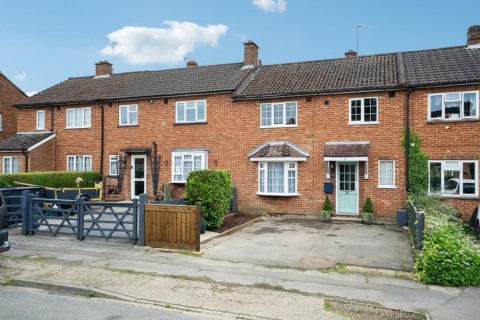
(417, 163)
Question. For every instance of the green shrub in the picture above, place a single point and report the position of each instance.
(52, 179)
(327, 205)
(417, 163)
(368, 206)
(449, 256)
(213, 189)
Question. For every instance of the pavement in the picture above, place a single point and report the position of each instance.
(275, 268)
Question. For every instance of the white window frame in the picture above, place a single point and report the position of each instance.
(85, 121)
(84, 167)
(131, 121)
(263, 178)
(178, 175)
(362, 114)
(444, 96)
(381, 174)
(271, 113)
(191, 105)
(40, 120)
(453, 167)
(113, 165)
(9, 167)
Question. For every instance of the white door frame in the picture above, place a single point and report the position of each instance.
(357, 186)
(132, 174)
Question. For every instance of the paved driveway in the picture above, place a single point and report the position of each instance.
(308, 243)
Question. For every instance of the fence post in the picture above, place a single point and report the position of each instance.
(30, 227)
(141, 219)
(25, 214)
(79, 204)
(421, 230)
(197, 225)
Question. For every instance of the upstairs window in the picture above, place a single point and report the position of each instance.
(10, 164)
(128, 115)
(454, 178)
(79, 163)
(191, 111)
(453, 106)
(78, 118)
(363, 111)
(185, 162)
(40, 120)
(278, 114)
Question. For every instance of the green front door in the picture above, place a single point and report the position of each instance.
(347, 188)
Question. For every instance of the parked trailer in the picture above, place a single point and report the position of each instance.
(88, 194)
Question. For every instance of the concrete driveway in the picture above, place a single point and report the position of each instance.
(309, 243)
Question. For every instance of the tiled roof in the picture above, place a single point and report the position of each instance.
(278, 149)
(143, 84)
(322, 76)
(346, 149)
(442, 66)
(22, 141)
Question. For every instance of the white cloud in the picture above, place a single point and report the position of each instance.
(142, 45)
(277, 6)
(20, 77)
(31, 93)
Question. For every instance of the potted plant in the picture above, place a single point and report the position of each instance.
(326, 212)
(367, 211)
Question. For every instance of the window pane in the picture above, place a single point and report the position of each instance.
(86, 115)
(277, 114)
(469, 105)
(436, 106)
(452, 97)
(14, 165)
(452, 110)
(197, 163)
(275, 177)
(187, 166)
(355, 110)
(133, 120)
(469, 185)
(291, 113)
(6, 165)
(191, 111)
(70, 118)
(180, 112)
(201, 111)
(123, 115)
(87, 164)
(435, 176)
(113, 165)
(370, 110)
(266, 115)
(261, 178)
(178, 165)
(386, 173)
(79, 163)
(291, 181)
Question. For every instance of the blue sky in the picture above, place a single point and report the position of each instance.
(44, 42)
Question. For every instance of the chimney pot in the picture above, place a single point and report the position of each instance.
(250, 53)
(473, 35)
(192, 64)
(103, 68)
(350, 53)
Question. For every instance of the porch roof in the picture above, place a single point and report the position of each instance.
(25, 141)
(346, 151)
(278, 150)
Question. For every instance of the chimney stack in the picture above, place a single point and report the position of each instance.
(250, 54)
(103, 68)
(350, 53)
(192, 64)
(473, 35)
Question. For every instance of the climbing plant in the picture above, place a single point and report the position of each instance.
(417, 163)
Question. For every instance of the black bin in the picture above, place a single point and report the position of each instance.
(402, 217)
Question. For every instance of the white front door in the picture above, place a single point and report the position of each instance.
(138, 175)
(347, 188)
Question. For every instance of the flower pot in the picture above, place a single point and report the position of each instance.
(203, 228)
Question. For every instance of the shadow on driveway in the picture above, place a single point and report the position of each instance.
(309, 243)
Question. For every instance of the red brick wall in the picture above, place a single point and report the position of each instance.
(9, 94)
(443, 140)
(42, 158)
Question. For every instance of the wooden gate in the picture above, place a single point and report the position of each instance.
(172, 226)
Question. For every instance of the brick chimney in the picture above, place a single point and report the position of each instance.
(473, 35)
(350, 53)
(250, 53)
(103, 68)
(192, 64)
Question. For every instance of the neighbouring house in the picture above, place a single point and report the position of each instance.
(9, 94)
(290, 134)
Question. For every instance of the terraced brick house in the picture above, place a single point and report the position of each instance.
(290, 134)
(9, 94)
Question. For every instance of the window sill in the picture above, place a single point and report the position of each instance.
(278, 194)
(386, 187)
(461, 197)
(127, 125)
(178, 182)
(282, 126)
(193, 122)
(363, 123)
(76, 128)
(453, 120)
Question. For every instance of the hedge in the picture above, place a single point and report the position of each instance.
(213, 189)
(52, 179)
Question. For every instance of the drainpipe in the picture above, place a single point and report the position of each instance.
(407, 137)
(102, 137)
(25, 153)
(52, 128)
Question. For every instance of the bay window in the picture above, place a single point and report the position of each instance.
(277, 178)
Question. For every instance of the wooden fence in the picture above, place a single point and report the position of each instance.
(172, 226)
